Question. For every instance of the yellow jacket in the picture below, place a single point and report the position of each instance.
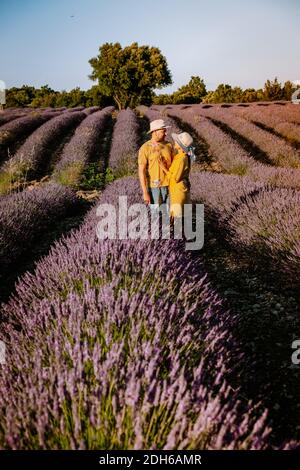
(178, 176)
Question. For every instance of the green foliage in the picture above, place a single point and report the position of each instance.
(93, 177)
(272, 90)
(94, 97)
(250, 95)
(224, 94)
(19, 97)
(287, 91)
(70, 175)
(129, 75)
(45, 97)
(193, 92)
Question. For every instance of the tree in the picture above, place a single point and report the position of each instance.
(193, 92)
(131, 74)
(163, 99)
(249, 95)
(224, 94)
(20, 96)
(94, 97)
(288, 89)
(272, 90)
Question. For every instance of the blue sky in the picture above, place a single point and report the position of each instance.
(239, 42)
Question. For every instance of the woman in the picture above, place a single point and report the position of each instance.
(178, 173)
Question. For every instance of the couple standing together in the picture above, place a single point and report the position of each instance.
(164, 168)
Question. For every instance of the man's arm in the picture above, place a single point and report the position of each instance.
(143, 182)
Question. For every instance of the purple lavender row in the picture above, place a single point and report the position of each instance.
(125, 143)
(21, 128)
(267, 224)
(260, 220)
(91, 109)
(127, 349)
(7, 117)
(38, 146)
(25, 216)
(232, 157)
(77, 108)
(279, 152)
(289, 113)
(81, 147)
(270, 118)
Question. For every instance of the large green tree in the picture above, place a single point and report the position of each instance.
(129, 75)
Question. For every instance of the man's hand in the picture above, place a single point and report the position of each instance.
(147, 198)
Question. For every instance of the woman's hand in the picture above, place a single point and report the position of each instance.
(162, 164)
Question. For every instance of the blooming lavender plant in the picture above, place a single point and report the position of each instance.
(21, 128)
(271, 119)
(37, 148)
(232, 157)
(27, 215)
(267, 223)
(125, 143)
(279, 152)
(91, 109)
(81, 147)
(253, 217)
(128, 349)
(6, 117)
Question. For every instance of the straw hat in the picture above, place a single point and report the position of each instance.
(183, 139)
(157, 125)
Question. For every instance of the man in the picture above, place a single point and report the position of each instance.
(153, 180)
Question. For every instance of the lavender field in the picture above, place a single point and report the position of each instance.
(138, 344)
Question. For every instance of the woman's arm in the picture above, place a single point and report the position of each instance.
(162, 165)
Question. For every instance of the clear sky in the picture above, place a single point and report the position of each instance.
(239, 42)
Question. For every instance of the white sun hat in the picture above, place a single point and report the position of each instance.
(183, 139)
(157, 125)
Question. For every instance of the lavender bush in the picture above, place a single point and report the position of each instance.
(37, 149)
(91, 109)
(255, 218)
(21, 128)
(270, 118)
(220, 194)
(6, 117)
(279, 152)
(268, 224)
(81, 147)
(122, 344)
(232, 157)
(25, 216)
(125, 143)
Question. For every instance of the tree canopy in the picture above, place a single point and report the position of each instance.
(193, 92)
(129, 75)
